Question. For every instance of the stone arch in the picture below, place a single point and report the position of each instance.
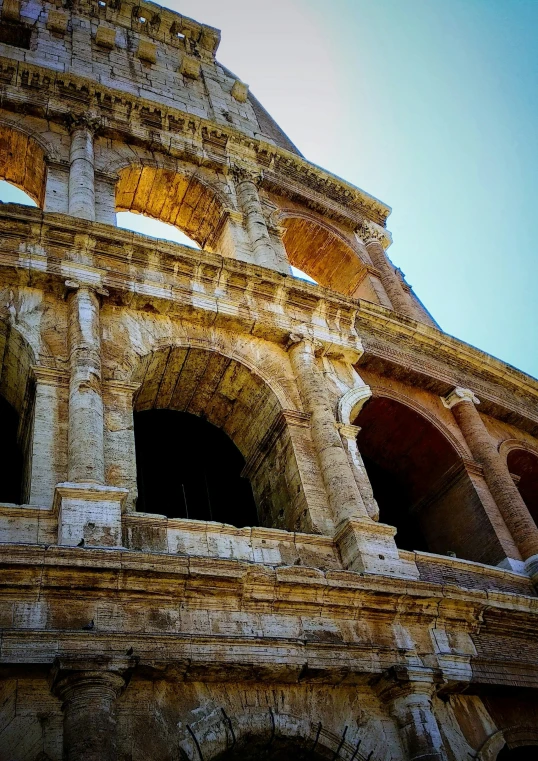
(420, 409)
(23, 156)
(174, 194)
(229, 392)
(221, 736)
(522, 461)
(322, 251)
(422, 479)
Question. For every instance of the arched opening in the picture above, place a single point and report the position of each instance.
(230, 424)
(181, 200)
(22, 164)
(523, 464)
(420, 483)
(323, 255)
(12, 194)
(191, 468)
(140, 223)
(523, 753)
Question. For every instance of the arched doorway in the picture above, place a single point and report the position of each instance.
(189, 468)
(523, 463)
(523, 753)
(420, 483)
(279, 749)
(226, 421)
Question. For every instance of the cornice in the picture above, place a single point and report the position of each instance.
(58, 95)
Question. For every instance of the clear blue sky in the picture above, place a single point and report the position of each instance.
(431, 106)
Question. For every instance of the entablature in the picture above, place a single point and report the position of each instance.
(59, 97)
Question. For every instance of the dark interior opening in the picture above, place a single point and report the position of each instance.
(523, 753)
(16, 34)
(414, 474)
(524, 465)
(10, 455)
(188, 468)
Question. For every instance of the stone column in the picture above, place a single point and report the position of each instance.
(89, 512)
(497, 476)
(86, 455)
(408, 695)
(88, 692)
(342, 491)
(349, 435)
(373, 237)
(81, 169)
(48, 448)
(250, 204)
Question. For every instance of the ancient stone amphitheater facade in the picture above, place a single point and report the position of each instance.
(242, 515)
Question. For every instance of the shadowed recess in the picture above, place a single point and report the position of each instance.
(421, 485)
(188, 468)
(524, 465)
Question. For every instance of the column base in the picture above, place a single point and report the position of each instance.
(369, 547)
(511, 564)
(89, 515)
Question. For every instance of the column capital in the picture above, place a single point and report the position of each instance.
(294, 339)
(75, 285)
(405, 681)
(49, 376)
(459, 395)
(348, 431)
(247, 174)
(90, 120)
(370, 232)
(108, 674)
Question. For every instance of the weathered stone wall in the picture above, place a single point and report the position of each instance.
(127, 636)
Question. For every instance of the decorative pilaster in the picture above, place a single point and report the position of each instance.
(120, 453)
(81, 168)
(515, 513)
(349, 435)
(376, 238)
(88, 511)
(86, 457)
(250, 204)
(408, 695)
(49, 435)
(342, 491)
(88, 691)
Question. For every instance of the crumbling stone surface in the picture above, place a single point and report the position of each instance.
(384, 607)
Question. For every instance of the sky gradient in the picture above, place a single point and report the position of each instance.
(432, 107)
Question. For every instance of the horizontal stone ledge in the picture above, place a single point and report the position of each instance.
(242, 585)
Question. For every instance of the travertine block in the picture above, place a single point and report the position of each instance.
(147, 51)
(90, 514)
(57, 21)
(240, 91)
(11, 10)
(105, 36)
(190, 67)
